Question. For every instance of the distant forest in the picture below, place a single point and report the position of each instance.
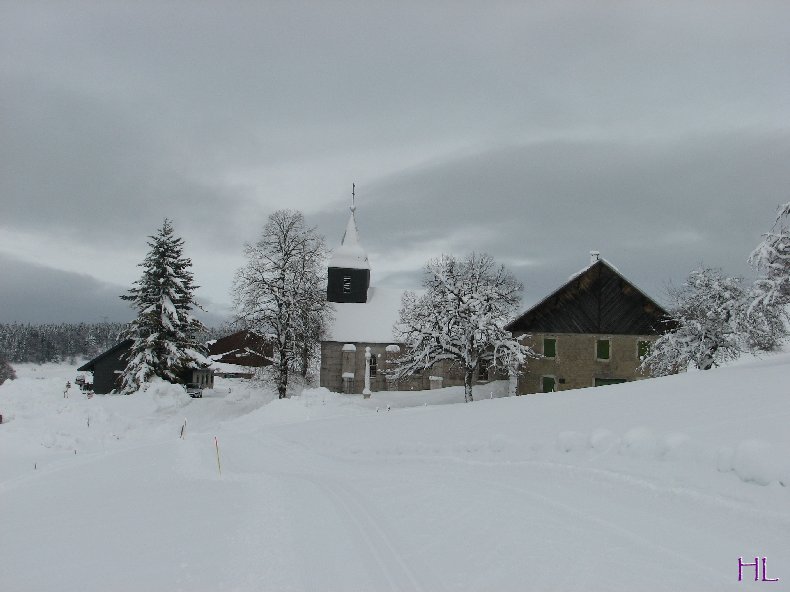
(66, 342)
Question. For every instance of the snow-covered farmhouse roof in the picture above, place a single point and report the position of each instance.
(350, 254)
(369, 321)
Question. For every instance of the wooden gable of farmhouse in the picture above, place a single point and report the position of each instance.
(598, 300)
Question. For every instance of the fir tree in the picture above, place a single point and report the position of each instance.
(771, 259)
(164, 331)
(6, 370)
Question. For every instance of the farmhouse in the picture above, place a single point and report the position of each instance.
(363, 319)
(592, 331)
(238, 355)
(107, 368)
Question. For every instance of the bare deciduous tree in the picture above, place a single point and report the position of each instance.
(280, 292)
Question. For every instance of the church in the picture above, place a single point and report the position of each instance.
(363, 320)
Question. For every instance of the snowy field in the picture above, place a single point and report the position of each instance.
(656, 485)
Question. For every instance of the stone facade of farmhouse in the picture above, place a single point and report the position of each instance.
(592, 331)
(575, 363)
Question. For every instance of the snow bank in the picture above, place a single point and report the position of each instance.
(165, 396)
(756, 461)
(623, 480)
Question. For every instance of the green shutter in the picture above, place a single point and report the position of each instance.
(547, 384)
(602, 349)
(549, 347)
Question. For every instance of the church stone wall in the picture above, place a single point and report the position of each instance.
(335, 363)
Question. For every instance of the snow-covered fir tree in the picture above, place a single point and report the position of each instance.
(6, 370)
(712, 322)
(54, 342)
(164, 331)
(771, 260)
(281, 292)
(460, 318)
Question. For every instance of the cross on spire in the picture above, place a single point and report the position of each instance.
(353, 197)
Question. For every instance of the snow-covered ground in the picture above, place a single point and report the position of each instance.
(655, 485)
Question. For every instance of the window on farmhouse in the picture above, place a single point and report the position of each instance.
(602, 349)
(346, 284)
(642, 349)
(548, 384)
(373, 365)
(550, 347)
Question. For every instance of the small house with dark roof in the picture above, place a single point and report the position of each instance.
(592, 331)
(108, 367)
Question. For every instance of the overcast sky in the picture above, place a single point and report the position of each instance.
(656, 132)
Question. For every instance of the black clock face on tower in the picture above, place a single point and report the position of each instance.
(347, 285)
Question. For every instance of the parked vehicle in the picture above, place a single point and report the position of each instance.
(195, 390)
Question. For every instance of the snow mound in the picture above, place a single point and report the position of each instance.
(640, 442)
(165, 396)
(602, 440)
(756, 461)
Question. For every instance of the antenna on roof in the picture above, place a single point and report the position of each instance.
(353, 197)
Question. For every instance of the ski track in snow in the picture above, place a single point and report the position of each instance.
(595, 522)
(375, 543)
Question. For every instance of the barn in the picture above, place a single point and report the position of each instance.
(591, 331)
(108, 366)
(238, 355)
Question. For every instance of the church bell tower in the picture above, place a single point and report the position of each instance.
(348, 277)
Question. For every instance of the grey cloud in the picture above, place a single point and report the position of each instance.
(32, 293)
(555, 127)
(656, 209)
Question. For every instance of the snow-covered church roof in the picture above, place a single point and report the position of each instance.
(369, 321)
(350, 254)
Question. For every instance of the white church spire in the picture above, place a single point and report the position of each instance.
(350, 254)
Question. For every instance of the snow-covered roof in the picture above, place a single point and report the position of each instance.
(350, 254)
(226, 368)
(369, 321)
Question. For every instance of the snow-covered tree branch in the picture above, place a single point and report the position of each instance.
(280, 292)
(460, 318)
